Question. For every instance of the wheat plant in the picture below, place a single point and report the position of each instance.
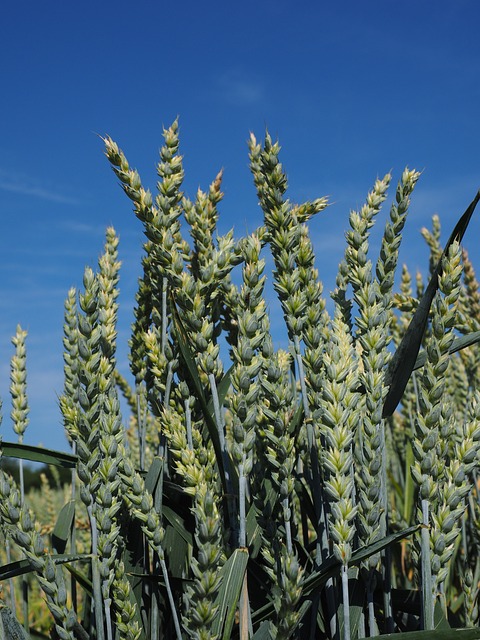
(324, 490)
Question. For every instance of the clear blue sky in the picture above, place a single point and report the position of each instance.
(352, 89)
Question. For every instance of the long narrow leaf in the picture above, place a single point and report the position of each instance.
(331, 568)
(403, 361)
(36, 635)
(178, 524)
(233, 572)
(254, 530)
(133, 557)
(208, 414)
(38, 454)
(11, 627)
(153, 474)
(63, 527)
(21, 567)
(457, 345)
(437, 634)
(80, 578)
(263, 632)
(356, 603)
(409, 489)
(222, 389)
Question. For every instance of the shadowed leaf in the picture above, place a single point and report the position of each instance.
(223, 387)
(11, 629)
(207, 411)
(233, 572)
(403, 361)
(178, 524)
(63, 527)
(331, 568)
(458, 344)
(263, 632)
(437, 634)
(21, 567)
(80, 578)
(38, 454)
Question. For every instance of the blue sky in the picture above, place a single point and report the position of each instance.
(352, 89)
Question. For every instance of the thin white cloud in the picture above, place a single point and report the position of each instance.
(25, 185)
(82, 227)
(235, 87)
(448, 199)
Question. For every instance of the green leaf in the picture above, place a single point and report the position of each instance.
(409, 484)
(437, 634)
(403, 361)
(176, 550)
(439, 619)
(21, 567)
(356, 588)
(154, 474)
(308, 507)
(11, 627)
(222, 390)
(80, 578)
(36, 635)
(254, 530)
(233, 572)
(331, 568)
(457, 345)
(133, 557)
(208, 414)
(189, 361)
(63, 527)
(134, 551)
(263, 632)
(178, 524)
(365, 552)
(297, 420)
(304, 607)
(38, 454)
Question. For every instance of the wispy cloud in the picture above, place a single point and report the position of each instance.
(449, 199)
(75, 226)
(238, 88)
(28, 186)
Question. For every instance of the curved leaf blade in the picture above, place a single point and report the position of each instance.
(403, 361)
(207, 410)
(457, 345)
(233, 572)
(22, 567)
(437, 634)
(38, 454)
(63, 527)
(331, 567)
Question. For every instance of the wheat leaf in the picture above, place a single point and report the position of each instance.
(178, 524)
(21, 567)
(38, 454)
(233, 572)
(437, 634)
(263, 632)
(63, 527)
(458, 344)
(207, 411)
(331, 568)
(223, 387)
(403, 361)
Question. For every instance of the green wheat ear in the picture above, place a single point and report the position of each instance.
(24, 530)
(432, 431)
(18, 386)
(272, 495)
